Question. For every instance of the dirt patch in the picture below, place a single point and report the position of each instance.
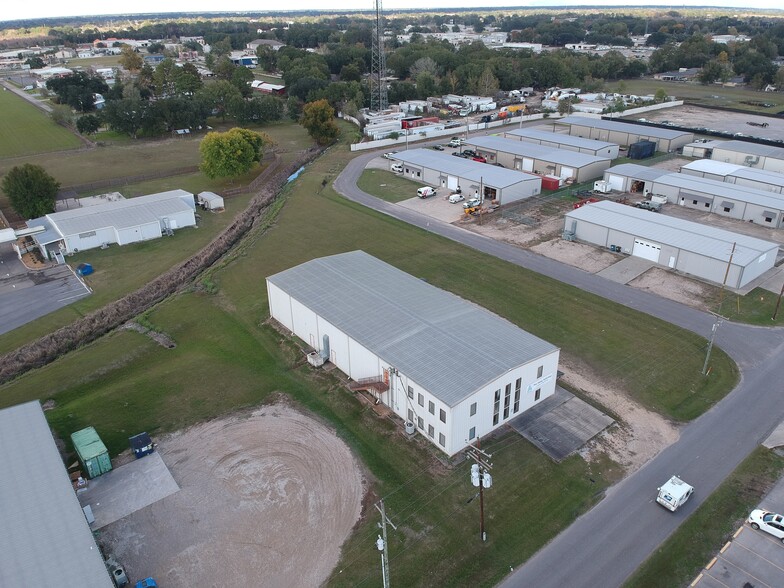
(587, 257)
(266, 499)
(501, 229)
(678, 288)
(639, 436)
(160, 338)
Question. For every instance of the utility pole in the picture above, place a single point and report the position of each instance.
(778, 303)
(719, 318)
(480, 476)
(381, 542)
(715, 329)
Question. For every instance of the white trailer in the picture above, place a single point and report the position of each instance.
(674, 493)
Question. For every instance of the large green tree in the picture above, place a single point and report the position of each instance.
(318, 118)
(231, 153)
(30, 189)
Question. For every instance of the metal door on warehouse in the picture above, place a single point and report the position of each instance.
(646, 250)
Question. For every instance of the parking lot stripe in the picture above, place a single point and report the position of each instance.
(775, 565)
(744, 570)
(712, 577)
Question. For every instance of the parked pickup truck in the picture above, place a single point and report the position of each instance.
(648, 205)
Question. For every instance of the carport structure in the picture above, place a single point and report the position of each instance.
(540, 159)
(623, 133)
(705, 252)
(733, 173)
(474, 179)
(546, 137)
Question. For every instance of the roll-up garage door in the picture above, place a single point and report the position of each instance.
(646, 250)
(451, 182)
(615, 182)
(528, 165)
(567, 172)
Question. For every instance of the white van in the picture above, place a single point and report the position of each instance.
(426, 192)
(397, 168)
(674, 493)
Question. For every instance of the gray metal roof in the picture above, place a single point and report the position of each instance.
(706, 144)
(636, 171)
(752, 149)
(542, 133)
(50, 234)
(490, 175)
(709, 166)
(720, 189)
(121, 214)
(763, 176)
(702, 239)
(448, 345)
(541, 152)
(45, 538)
(622, 127)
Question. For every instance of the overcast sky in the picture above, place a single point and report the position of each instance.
(13, 10)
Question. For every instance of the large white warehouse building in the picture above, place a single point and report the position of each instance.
(732, 173)
(750, 154)
(454, 369)
(544, 136)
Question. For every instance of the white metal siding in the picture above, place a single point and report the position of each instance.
(615, 182)
(646, 250)
(364, 364)
(304, 323)
(338, 344)
(280, 306)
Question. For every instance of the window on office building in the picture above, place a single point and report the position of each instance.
(442, 416)
(410, 392)
(471, 433)
(430, 430)
(421, 399)
(442, 440)
(540, 371)
(496, 406)
(507, 397)
(518, 384)
(421, 423)
(537, 394)
(473, 409)
(431, 407)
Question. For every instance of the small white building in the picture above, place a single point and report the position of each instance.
(122, 222)
(210, 201)
(732, 173)
(450, 367)
(750, 154)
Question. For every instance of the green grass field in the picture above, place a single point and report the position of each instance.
(25, 130)
(387, 185)
(228, 358)
(678, 561)
(707, 95)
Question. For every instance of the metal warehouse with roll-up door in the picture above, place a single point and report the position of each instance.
(733, 173)
(692, 248)
(529, 157)
(631, 177)
(623, 133)
(750, 154)
(474, 179)
(546, 137)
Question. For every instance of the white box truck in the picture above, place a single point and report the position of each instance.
(674, 493)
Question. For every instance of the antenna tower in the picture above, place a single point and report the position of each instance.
(378, 67)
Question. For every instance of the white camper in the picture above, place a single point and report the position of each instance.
(674, 493)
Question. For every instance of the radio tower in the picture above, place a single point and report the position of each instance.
(378, 66)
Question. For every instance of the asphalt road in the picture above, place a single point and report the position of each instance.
(607, 544)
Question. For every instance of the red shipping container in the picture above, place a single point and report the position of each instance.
(550, 183)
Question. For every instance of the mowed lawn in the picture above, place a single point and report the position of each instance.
(387, 185)
(25, 129)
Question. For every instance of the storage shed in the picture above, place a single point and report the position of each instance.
(623, 133)
(210, 201)
(692, 248)
(45, 539)
(546, 137)
(448, 366)
(539, 159)
(700, 148)
(123, 222)
(91, 451)
(732, 173)
(475, 179)
(750, 155)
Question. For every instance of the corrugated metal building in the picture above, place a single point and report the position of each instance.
(632, 177)
(700, 148)
(451, 367)
(45, 538)
(545, 136)
(623, 133)
(750, 155)
(121, 222)
(732, 173)
(703, 194)
(539, 159)
(488, 182)
(692, 248)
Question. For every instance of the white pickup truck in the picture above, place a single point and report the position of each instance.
(674, 493)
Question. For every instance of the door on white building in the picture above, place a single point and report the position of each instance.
(528, 165)
(615, 182)
(567, 172)
(646, 250)
(451, 182)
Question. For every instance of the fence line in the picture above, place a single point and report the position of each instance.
(113, 182)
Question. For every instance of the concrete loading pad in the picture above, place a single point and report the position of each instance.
(561, 424)
(627, 269)
(127, 489)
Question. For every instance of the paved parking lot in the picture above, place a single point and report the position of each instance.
(752, 558)
(27, 295)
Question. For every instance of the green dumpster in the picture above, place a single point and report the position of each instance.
(91, 451)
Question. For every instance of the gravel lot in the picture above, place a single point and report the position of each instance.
(267, 499)
(731, 122)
